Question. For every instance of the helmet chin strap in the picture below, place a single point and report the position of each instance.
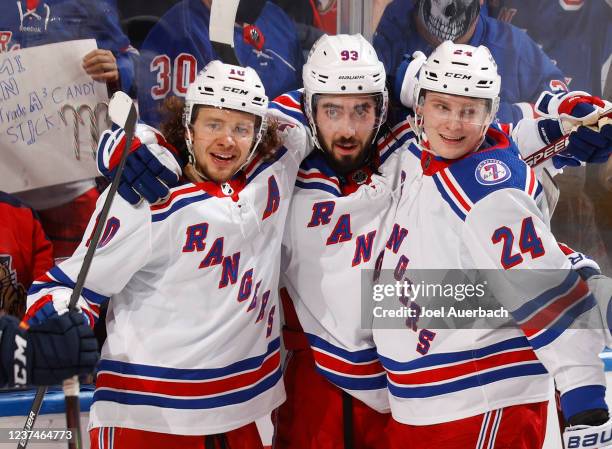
(191, 155)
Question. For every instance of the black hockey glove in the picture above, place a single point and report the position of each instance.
(47, 353)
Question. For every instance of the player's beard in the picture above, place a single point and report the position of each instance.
(448, 20)
(343, 164)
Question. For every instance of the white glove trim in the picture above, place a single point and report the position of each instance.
(578, 437)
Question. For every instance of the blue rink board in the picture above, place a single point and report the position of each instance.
(19, 402)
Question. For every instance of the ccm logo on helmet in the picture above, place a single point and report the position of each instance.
(235, 90)
(461, 76)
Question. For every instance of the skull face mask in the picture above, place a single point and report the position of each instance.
(448, 19)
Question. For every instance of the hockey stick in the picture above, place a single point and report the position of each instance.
(122, 111)
(221, 29)
(559, 145)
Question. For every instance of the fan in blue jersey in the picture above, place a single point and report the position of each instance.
(178, 47)
(411, 25)
(64, 209)
(576, 34)
(29, 23)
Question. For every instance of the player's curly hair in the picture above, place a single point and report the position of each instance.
(173, 130)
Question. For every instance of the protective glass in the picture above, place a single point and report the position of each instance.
(346, 112)
(464, 110)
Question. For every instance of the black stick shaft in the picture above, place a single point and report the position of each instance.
(130, 126)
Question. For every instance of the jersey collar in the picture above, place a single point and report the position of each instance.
(432, 164)
(231, 188)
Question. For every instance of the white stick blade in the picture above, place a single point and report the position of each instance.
(119, 108)
(222, 19)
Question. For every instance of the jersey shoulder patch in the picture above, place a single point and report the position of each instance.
(469, 180)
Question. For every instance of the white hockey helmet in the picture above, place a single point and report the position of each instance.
(343, 64)
(463, 70)
(226, 86)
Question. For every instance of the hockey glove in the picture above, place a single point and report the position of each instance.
(571, 113)
(589, 429)
(572, 108)
(151, 167)
(56, 303)
(586, 145)
(406, 78)
(580, 261)
(47, 353)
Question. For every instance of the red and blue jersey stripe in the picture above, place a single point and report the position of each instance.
(351, 370)
(43, 308)
(313, 178)
(443, 373)
(138, 384)
(290, 104)
(548, 315)
(457, 180)
(179, 197)
(390, 142)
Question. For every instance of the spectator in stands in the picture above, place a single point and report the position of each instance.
(139, 16)
(178, 47)
(577, 35)
(65, 209)
(25, 253)
(410, 25)
(573, 35)
(307, 20)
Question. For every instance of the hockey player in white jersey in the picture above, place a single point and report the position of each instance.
(192, 355)
(474, 205)
(340, 220)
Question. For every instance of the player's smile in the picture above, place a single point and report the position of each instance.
(453, 124)
(222, 159)
(222, 139)
(451, 140)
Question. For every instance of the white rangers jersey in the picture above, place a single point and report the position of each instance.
(480, 212)
(193, 331)
(337, 227)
